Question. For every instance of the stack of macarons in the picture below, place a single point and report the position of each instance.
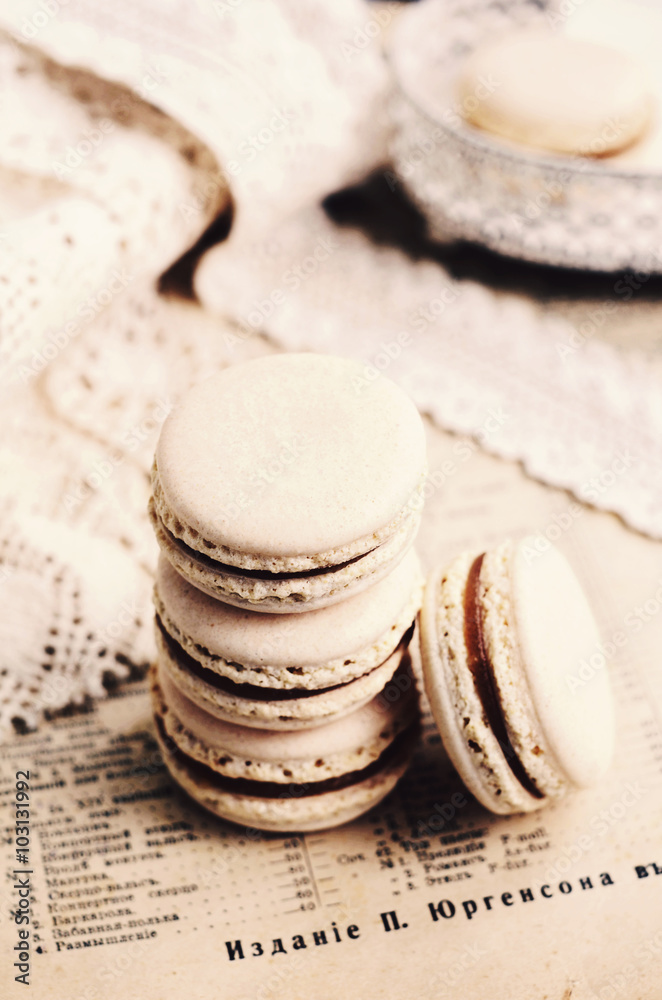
(286, 498)
(557, 93)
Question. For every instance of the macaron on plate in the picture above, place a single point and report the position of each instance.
(557, 94)
(542, 143)
(279, 486)
(503, 634)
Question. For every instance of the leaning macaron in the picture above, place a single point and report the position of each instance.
(286, 781)
(289, 482)
(285, 671)
(503, 635)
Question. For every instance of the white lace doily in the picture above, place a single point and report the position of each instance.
(75, 614)
(105, 177)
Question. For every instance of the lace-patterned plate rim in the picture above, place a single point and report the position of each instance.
(487, 195)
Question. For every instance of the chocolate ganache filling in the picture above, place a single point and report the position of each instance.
(257, 574)
(396, 751)
(252, 691)
(483, 674)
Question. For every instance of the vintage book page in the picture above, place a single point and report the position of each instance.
(134, 891)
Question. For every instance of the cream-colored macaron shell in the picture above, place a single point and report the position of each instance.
(557, 633)
(310, 708)
(537, 628)
(292, 756)
(290, 813)
(289, 463)
(351, 748)
(300, 592)
(556, 93)
(317, 650)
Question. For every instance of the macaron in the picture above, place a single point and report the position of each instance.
(556, 93)
(285, 671)
(289, 482)
(285, 781)
(503, 637)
